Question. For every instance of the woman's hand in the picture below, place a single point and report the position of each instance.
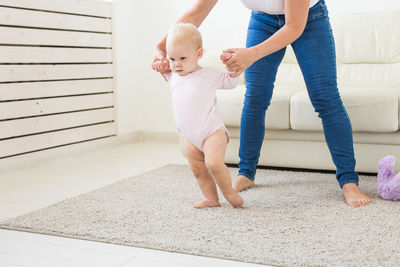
(225, 57)
(241, 59)
(160, 62)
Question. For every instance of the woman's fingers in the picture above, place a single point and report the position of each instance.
(231, 61)
(157, 66)
(166, 67)
(154, 66)
(240, 60)
(230, 68)
(230, 50)
(234, 66)
(235, 74)
(161, 65)
(225, 56)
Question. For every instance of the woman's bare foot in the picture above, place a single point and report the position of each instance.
(353, 195)
(206, 203)
(235, 200)
(241, 183)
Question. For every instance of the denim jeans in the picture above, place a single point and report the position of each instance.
(315, 53)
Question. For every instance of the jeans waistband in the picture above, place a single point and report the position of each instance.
(316, 11)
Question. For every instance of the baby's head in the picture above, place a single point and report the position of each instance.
(184, 48)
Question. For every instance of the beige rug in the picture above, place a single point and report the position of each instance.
(289, 219)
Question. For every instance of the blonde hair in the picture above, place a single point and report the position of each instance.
(185, 32)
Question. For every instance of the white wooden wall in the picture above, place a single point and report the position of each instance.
(56, 74)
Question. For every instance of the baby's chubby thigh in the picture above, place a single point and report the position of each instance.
(214, 148)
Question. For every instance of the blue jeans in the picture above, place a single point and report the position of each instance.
(315, 53)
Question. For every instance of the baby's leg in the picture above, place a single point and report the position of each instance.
(204, 179)
(214, 153)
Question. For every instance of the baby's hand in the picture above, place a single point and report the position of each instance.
(160, 65)
(225, 57)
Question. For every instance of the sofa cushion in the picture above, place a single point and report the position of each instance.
(370, 109)
(367, 37)
(230, 105)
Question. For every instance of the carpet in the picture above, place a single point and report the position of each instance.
(289, 219)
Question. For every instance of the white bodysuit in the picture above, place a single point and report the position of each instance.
(195, 104)
(275, 7)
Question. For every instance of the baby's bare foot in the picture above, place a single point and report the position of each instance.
(206, 203)
(353, 196)
(235, 200)
(241, 183)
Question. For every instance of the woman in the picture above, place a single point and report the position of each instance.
(274, 24)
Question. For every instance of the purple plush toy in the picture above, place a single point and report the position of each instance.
(388, 181)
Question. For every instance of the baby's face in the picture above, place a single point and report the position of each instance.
(183, 57)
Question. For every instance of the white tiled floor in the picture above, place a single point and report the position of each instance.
(25, 189)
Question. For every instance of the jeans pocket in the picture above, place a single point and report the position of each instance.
(318, 11)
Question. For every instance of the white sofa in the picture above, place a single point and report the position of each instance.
(368, 65)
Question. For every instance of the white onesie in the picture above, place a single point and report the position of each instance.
(195, 104)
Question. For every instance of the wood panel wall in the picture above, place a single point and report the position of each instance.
(56, 74)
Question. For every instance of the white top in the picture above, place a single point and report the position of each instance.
(269, 6)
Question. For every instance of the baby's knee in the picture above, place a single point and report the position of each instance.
(197, 170)
(215, 165)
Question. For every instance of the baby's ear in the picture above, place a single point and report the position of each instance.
(199, 53)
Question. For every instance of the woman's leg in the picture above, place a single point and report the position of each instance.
(315, 53)
(260, 78)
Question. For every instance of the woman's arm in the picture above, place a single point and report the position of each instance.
(296, 14)
(195, 15)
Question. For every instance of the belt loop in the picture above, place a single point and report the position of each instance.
(321, 5)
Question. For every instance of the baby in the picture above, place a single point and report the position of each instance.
(194, 108)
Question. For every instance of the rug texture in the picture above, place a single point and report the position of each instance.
(289, 219)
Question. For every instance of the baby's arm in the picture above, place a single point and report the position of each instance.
(161, 67)
(225, 81)
(167, 76)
